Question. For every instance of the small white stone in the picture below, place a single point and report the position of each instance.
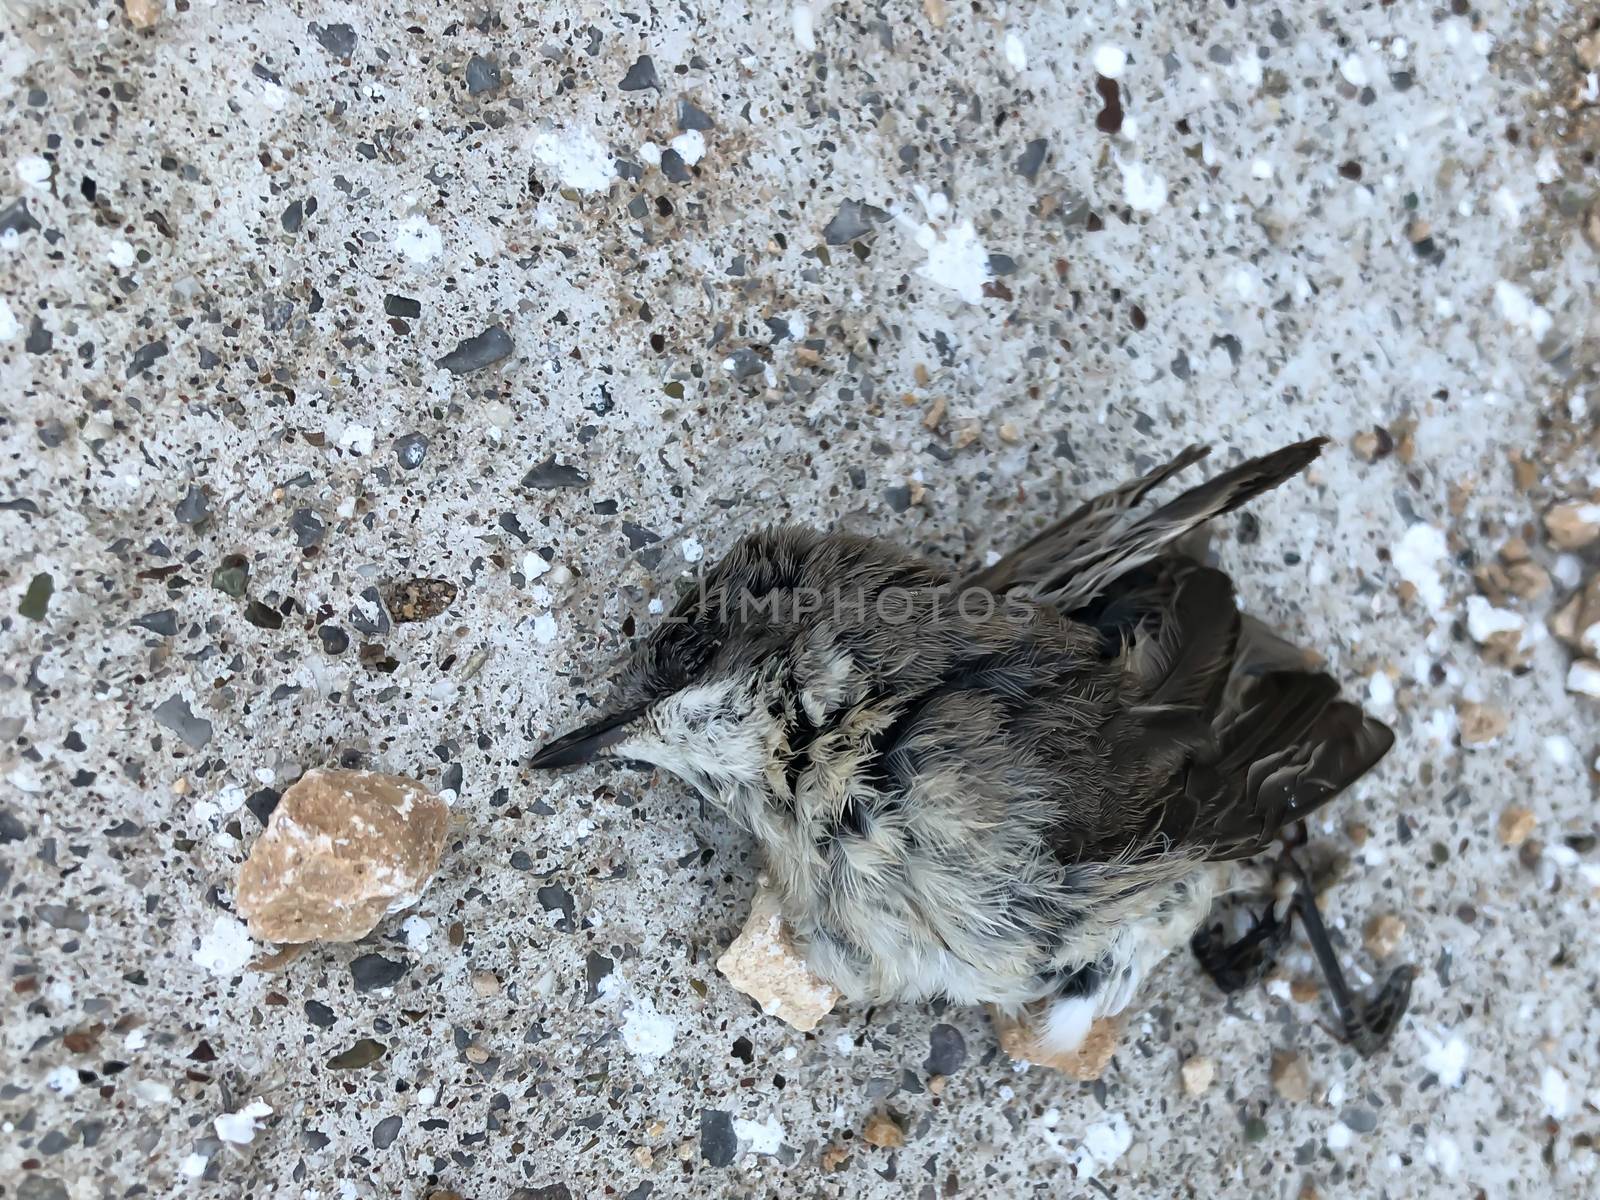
(1144, 190)
(1583, 678)
(545, 629)
(1110, 61)
(1354, 71)
(763, 1137)
(693, 551)
(1016, 53)
(358, 439)
(34, 171)
(690, 145)
(121, 254)
(225, 949)
(240, 1127)
(418, 241)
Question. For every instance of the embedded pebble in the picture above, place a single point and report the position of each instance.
(341, 850)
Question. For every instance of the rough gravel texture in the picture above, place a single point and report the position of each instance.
(369, 370)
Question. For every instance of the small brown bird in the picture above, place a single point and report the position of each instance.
(1023, 786)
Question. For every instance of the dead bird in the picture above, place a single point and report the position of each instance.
(1021, 786)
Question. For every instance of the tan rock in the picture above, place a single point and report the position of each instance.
(1573, 526)
(883, 1131)
(341, 850)
(1198, 1074)
(1290, 1077)
(1589, 52)
(1516, 826)
(834, 1158)
(1383, 934)
(1479, 724)
(142, 14)
(764, 963)
(486, 983)
(1020, 1040)
(1577, 622)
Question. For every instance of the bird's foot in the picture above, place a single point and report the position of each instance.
(1367, 1022)
(1243, 963)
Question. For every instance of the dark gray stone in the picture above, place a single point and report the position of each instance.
(692, 116)
(307, 527)
(410, 449)
(1031, 159)
(385, 1132)
(551, 474)
(641, 75)
(947, 1051)
(145, 356)
(373, 971)
(483, 75)
(193, 508)
(175, 714)
(15, 218)
(338, 40)
(476, 353)
(718, 1145)
(853, 220)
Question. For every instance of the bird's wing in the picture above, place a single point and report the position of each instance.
(1221, 733)
(1069, 563)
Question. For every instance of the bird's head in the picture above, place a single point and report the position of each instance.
(698, 696)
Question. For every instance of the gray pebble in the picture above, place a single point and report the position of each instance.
(947, 1051)
(385, 1132)
(175, 714)
(854, 219)
(551, 474)
(193, 508)
(475, 353)
(338, 40)
(373, 971)
(410, 449)
(483, 75)
(718, 1145)
(641, 75)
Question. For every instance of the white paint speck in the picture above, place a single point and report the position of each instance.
(1446, 1056)
(1261, 169)
(9, 325)
(1354, 71)
(844, 1045)
(693, 551)
(1380, 692)
(956, 259)
(34, 171)
(1339, 1136)
(1560, 750)
(534, 565)
(1555, 1093)
(646, 1031)
(1442, 1152)
(193, 1166)
(690, 145)
(657, 606)
(803, 20)
(417, 932)
(577, 157)
(1144, 190)
(62, 1079)
(226, 948)
(545, 628)
(1110, 61)
(1102, 1144)
(152, 1092)
(240, 1127)
(417, 240)
(1518, 309)
(1417, 557)
(650, 154)
(358, 439)
(1016, 53)
(764, 1137)
(121, 254)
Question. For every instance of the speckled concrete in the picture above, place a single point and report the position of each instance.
(910, 270)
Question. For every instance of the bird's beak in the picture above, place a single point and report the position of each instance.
(587, 741)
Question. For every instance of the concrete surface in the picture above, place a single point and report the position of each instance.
(904, 280)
